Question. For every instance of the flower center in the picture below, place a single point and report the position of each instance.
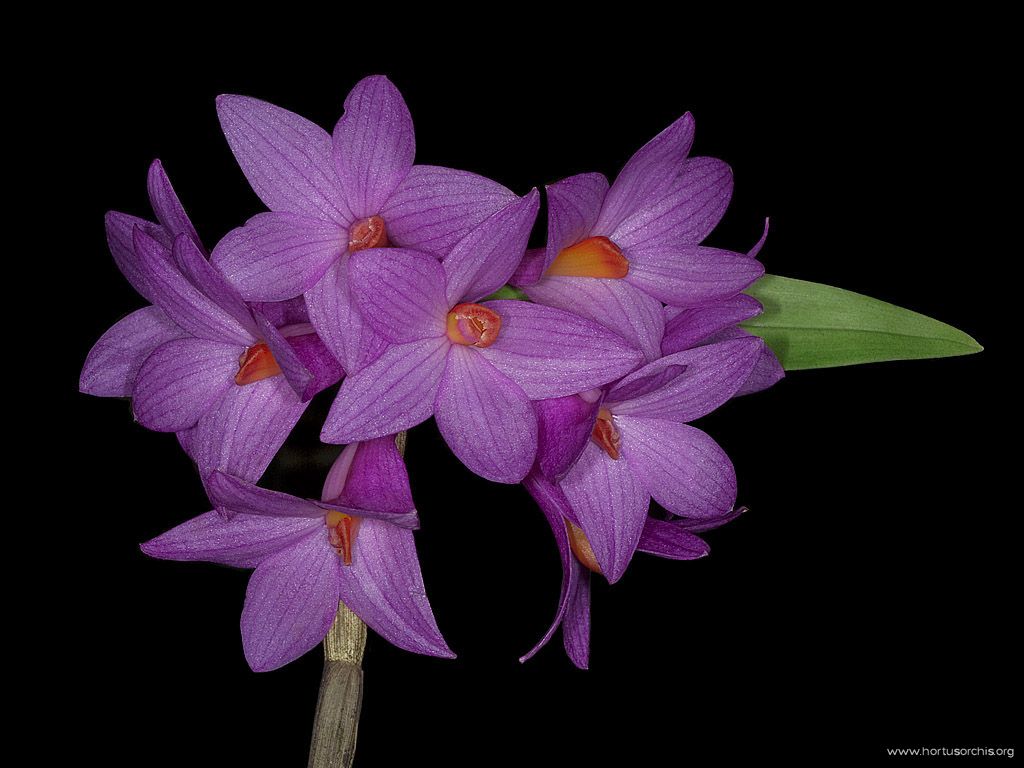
(368, 233)
(341, 533)
(606, 435)
(580, 546)
(473, 325)
(255, 364)
(593, 257)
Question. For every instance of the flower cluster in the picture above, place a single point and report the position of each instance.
(382, 274)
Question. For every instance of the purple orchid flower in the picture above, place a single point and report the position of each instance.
(200, 362)
(673, 539)
(474, 366)
(330, 196)
(355, 547)
(636, 243)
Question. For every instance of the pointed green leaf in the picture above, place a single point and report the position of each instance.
(810, 325)
(508, 292)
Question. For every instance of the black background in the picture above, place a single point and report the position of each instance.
(865, 601)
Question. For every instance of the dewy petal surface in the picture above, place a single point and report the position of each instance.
(551, 353)
(114, 361)
(393, 393)
(689, 327)
(399, 292)
(384, 588)
(573, 207)
(433, 208)
(120, 228)
(377, 478)
(485, 418)
(197, 269)
(180, 381)
(576, 623)
(484, 259)
(647, 175)
(290, 603)
(338, 321)
(694, 204)
(611, 507)
(243, 542)
(373, 145)
(286, 158)
(277, 256)
(666, 539)
(680, 466)
(294, 370)
(614, 304)
(166, 205)
(690, 275)
(238, 497)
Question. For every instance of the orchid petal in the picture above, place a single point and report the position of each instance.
(680, 466)
(234, 496)
(393, 393)
(573, 207)
(166, 205)
(277, 256)
(614, 304)
(120, 229)
(485, 418)
(648, 174)
(399, 292)
(373, 144)
(286, 158)
(433, 208)
(690, 275)
(290, 603)
(689, 327)
(375, 478)
(114, 361)
(295, 372)
(576, 624)
(482, 261)
(611, 507)
(551, 353)
(384, 587)
(197, 269)
(564, 425)
(180, 381)
(666, 539)
(243, 542)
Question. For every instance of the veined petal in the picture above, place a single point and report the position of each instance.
(287, 359)
(286, 158)
(666, 539)
(338, 321)
(238, 497)
(168, 209)
(197, 269)
(183, 303)
(553, 504)
(373, 145)
(767, 371)
(485, 418)
(399, 292)
(647, 176)
(707, 377)
(393, 393)
(314, 356)
(610, 505)
(384, 588)
(615, 304)
(433, 208)
(680, 466)
(114, 361)
(482, 261)
(375, 478)
(564, 425)
(551, 353)
(290, 603)
(120, 229)
(573, 207)
(243, 542)
(277, 256)
(685, 328)
(690, 275)
(180, 381)
(692, 207)
(576, 623)
(244, 432)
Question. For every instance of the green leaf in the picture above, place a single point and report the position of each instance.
(507, 292)
(810, 325)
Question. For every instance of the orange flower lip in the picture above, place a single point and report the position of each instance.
(606, 435)
(341, 533)
(580, 545)
(255, 364)
(473, 325)
(593, 257)
(368, 233)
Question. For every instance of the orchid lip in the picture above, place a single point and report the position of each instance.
(473, 325)
(255, 364)
(580, 545)
(341, 533)
(370, 232)
(606, 435)
(593, 257)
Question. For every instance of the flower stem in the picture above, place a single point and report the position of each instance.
(336, 724)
